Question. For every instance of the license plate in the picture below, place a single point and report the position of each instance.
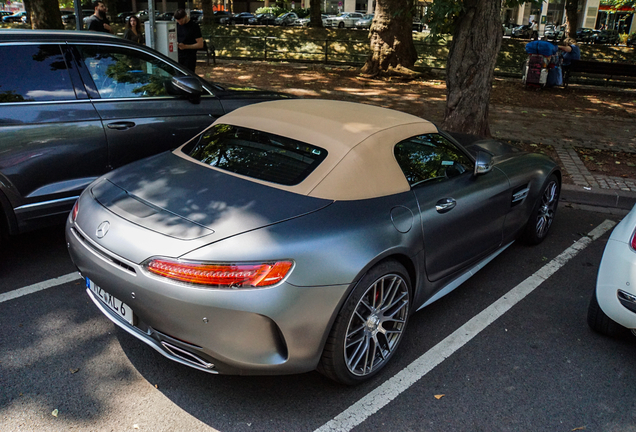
(113, 303)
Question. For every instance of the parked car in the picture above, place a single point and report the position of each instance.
(240, 18)
(344, 20)
(15, 18)
(608, 37)
(218, 15)
(196, 15)
(286, 19)
(612, 307)
(165, 16)
(71, 104)
(68, 17)
(302, 22)
(143, 16)
(522, 31)
(122, 17)
(585, 34)
(554, 33)
(263, 19)
(301, 234)
(365, 22)
(418, 25)
(507, 29)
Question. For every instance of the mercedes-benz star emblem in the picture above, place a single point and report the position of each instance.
(102, 229)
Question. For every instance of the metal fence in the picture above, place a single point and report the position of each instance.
(334, 50)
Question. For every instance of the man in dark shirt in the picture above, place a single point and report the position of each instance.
(98, 21)
(189, 38)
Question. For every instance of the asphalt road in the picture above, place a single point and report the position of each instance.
(536, 367)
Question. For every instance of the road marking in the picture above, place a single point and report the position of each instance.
(392, 388)
(39, 286)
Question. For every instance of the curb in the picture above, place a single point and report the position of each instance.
(609, 198)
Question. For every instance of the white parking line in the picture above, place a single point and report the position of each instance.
(39, 286)
(392, 388)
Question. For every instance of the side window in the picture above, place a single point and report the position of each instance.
(123, 73)
(428, 157)
(32, 73)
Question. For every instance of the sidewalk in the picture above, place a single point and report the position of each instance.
(599, 132)
(564, 131)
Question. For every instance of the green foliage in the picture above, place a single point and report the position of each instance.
(442, 15)
(271, 9)
(618, 3)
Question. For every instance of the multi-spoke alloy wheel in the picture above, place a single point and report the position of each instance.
(376, 325)
(543, 212)
(370, 326)
(547, 208)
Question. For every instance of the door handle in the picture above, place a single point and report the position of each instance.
(120, 125)
(445, 205)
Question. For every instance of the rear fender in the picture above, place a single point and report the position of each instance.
(8, 222)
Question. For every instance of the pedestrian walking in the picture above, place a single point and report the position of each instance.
(99, 21)
(133, 30)
(535, 30)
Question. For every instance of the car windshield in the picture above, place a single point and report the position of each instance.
(260, 155)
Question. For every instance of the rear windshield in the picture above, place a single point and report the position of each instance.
(256, 154)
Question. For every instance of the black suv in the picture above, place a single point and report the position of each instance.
(74, 105)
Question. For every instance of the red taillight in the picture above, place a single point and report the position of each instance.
(221, 275)
(75, 211)
(634, 240)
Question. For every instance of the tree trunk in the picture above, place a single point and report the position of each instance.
(571, 17)
(314, 13)
(470, 67)
(391, 36)
(45, 14)
(208, 11)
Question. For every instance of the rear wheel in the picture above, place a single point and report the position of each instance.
(543, 212)
(369, 328)
(341, 25)
(600, 322)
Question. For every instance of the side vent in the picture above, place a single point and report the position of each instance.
(519, 195)
(186, 355)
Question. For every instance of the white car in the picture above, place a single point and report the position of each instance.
(286, 19)
(343, 20)
(613, 304)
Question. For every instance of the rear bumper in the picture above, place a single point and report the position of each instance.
(275, 330)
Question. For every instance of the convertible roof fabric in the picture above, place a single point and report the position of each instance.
(359, 139)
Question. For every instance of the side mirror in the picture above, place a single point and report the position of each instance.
(483, 163)
(186, 86)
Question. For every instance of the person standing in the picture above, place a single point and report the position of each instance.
(133, 30)
(570, 50)
(189, 38)
(535, 30)
(98, 21)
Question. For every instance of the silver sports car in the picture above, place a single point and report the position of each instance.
(301, 234)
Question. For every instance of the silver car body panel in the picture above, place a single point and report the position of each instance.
(279, 328)
(169, 206)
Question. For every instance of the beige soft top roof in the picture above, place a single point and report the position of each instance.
(359, 140)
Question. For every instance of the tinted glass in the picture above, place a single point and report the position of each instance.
(429, 157)
(123, 73)
(256, 154)
(34, 73)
